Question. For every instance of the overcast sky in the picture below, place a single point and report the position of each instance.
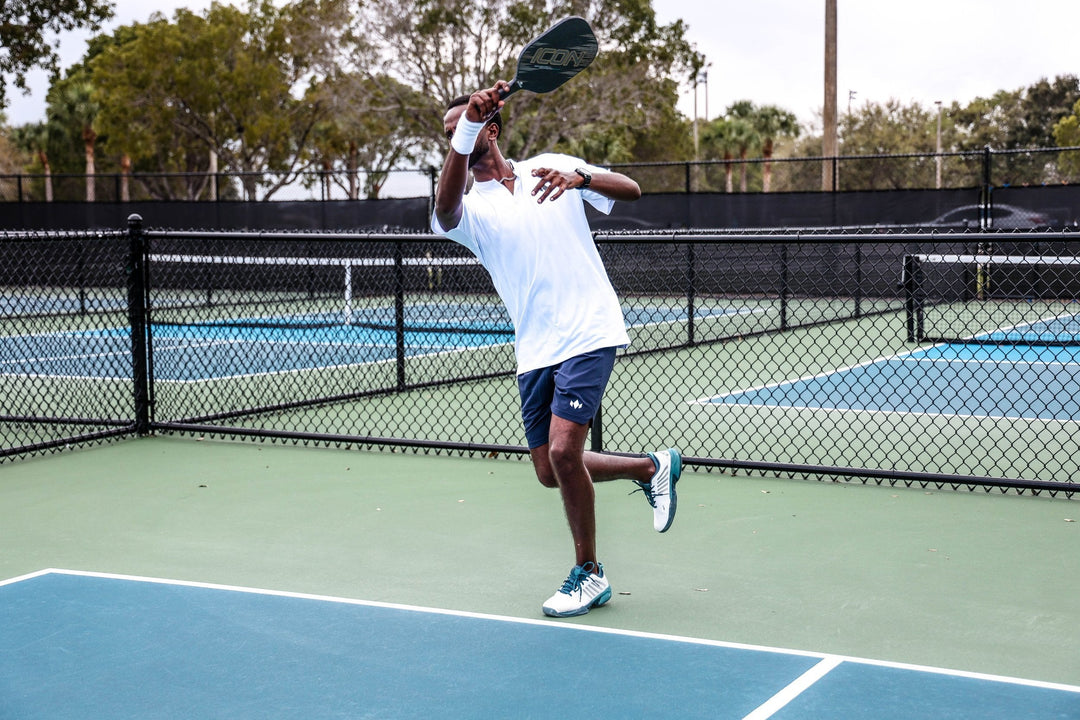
(772, 51)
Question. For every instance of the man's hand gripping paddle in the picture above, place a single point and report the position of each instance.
(560, 53)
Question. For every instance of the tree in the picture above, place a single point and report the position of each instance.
(232, 84)
(723, 139)
(24, 29)
(12, 158)
(33, 139)
(890, 128)
(1015, 120)
(745, 134)
(772, 123)
(369, 124)
(1067, 135)
(71, 106)
(447, 48)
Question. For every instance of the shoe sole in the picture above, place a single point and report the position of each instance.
(676, 473)
(597, 602)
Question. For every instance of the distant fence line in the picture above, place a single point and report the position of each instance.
(912, 171)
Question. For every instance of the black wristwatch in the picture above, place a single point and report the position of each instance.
(586, 175)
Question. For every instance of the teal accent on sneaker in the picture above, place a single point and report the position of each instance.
(660, 491)
(585, 588)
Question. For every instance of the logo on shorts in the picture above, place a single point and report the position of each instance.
(576, 404)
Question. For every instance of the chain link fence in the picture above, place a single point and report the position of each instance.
(1034, 167)
(66, 373)
(945, 358)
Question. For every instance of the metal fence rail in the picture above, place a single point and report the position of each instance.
(903, 171)
(801, 352)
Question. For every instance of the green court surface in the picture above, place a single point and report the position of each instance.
(968, 581)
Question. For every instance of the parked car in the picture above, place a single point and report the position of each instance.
(1002, 217)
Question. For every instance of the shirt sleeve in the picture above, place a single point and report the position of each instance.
(462, 234)
(598, 201)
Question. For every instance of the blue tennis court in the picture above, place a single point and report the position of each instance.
(1007, 381)
(79, 645)
(258, 345)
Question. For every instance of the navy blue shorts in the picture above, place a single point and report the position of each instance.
(572, 390)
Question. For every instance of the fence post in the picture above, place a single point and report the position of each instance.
(691, 295)
(399, 313)
(136, 286)
(858, 279)
(597, 434)
(984, 201)
(784, 288)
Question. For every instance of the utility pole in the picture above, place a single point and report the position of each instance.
(829, 144)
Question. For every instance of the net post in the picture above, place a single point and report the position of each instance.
(136, 287)
(913, 301)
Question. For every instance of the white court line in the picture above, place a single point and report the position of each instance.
(1007, 363)
(902, 357)
(561, 625)
(781, 699)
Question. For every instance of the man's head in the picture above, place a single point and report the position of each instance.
(454, 110)
(464, 100)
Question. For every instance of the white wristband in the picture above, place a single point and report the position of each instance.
(465, 135)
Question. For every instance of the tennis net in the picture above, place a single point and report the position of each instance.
(993, 299)
(307, 293)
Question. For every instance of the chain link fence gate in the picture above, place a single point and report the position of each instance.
(898, 357)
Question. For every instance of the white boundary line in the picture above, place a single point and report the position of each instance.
(823, 667)
(718, 406)
(781, 699)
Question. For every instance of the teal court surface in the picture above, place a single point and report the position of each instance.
(82, 645)
(215, 579)
(195, 350)
(1009, 381)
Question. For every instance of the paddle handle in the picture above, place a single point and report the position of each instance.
(514, 87)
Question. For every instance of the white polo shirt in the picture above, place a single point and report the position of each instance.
(544, 264)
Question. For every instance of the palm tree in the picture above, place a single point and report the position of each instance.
(742, 113)
(771, 123)
(33, 138)
(75, 109)
(724, 138)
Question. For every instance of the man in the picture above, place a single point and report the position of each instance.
(526, 223)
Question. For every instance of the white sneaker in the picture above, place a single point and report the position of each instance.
(585, 588)
(660, 490)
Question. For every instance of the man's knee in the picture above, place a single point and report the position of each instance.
(542, 465)
(565, 458)
(547, 478)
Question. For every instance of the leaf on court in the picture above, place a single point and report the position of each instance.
(624, 593)
(701, 589)
(1069, 520)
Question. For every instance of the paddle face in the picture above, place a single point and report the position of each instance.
(560, 53)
